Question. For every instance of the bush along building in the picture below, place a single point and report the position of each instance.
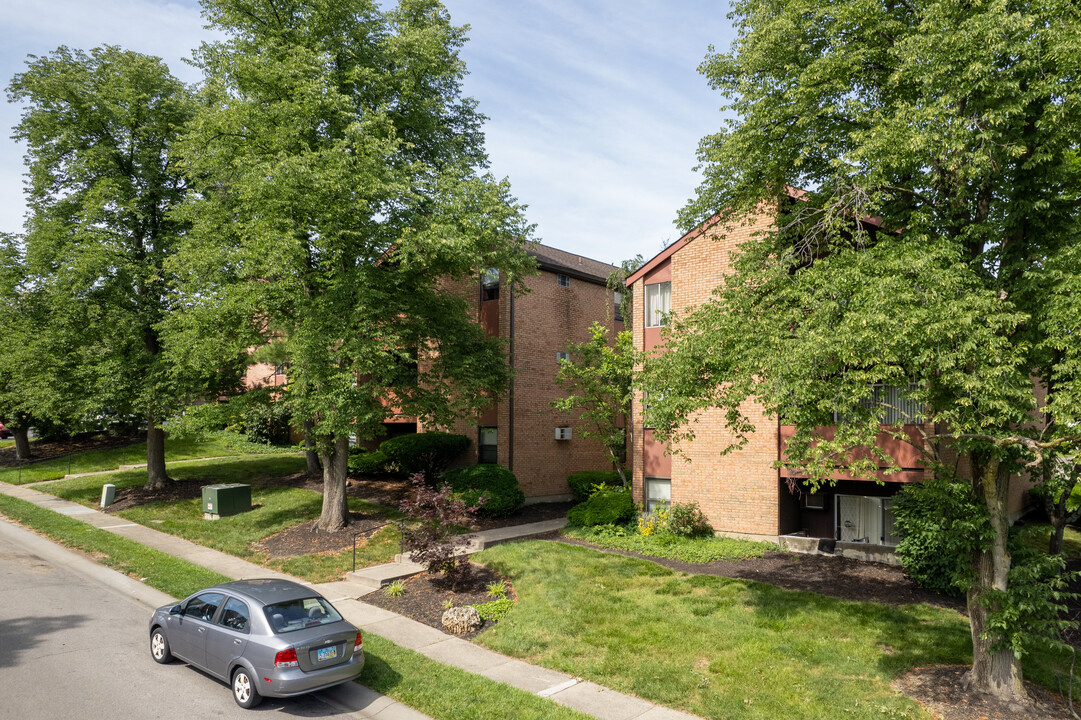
(749, 491)
(522, 432)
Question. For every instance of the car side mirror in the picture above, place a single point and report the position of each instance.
(176, 610)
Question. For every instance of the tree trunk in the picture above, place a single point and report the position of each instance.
(335, 515)
(309, 448)
(995, 671)
(1058, 529)
(22, 443)
(156, 477)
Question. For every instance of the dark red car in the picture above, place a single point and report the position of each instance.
(5, 433)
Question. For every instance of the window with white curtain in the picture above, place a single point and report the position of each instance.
(658, 303)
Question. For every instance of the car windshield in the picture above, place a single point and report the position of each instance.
(299, 614)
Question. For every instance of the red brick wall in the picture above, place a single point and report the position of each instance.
(545, 319)
(738, 492)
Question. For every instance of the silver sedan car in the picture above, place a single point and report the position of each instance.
(269, 637)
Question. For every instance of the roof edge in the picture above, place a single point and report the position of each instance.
(671, 250)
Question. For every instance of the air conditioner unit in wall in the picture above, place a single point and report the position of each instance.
(814, 501)
(563, 433)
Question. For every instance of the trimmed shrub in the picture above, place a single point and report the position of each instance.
(493, 487)
(688, 520)
(581, 483)
(428, 453)
(607, 507)
(373, 463)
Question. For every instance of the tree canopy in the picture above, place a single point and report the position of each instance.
(340, 202)
(99, 130)
(913, 169)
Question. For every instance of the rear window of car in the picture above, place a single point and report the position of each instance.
(299, 614)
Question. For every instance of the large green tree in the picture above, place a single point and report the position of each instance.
(340, 202)
(935, 145)
(99, 129)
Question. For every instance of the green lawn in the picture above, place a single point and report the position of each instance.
(274, 508)
(693, 550)
(1038, 536)
(442, 691)
(217, 445)
(718, 647)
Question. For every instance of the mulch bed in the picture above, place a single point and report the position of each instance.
(301, 539)
(940, 689)
(46, 449)
(426, 595)
(830, 575)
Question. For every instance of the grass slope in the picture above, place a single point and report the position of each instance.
(715, 647)
(274, 508)
(217, 445)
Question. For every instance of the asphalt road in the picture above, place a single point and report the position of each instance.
(71, 645)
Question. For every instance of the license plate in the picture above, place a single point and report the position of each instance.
(327, 653)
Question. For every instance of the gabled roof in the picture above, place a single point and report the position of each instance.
(570, 264)
(794, 193)
(670, 250)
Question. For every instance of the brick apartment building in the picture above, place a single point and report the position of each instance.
(523, 432)
(744, 492)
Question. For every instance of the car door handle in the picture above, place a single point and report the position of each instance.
(236, 641)
(202, 629)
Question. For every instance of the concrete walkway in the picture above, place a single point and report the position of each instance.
(584, 696)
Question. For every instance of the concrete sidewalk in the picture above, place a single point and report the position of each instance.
(584, 696)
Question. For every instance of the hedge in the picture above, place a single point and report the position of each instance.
(495, 483)
(429, 453)
(581, 483)
(607, 507)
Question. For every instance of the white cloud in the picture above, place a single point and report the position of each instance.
(595, 108)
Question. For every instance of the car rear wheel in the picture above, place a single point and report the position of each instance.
(159, 647)
(244, 691)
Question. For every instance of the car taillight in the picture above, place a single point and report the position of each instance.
(286, 659)
(358, 644)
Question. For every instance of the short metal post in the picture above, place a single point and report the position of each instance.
(355, 552)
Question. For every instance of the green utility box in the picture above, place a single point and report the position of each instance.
(228, 499)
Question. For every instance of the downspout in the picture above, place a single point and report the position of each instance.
(510, 395)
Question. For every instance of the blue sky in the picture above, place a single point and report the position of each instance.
(595, 107)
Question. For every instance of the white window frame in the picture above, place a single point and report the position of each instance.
(658, 303)
(563, 280)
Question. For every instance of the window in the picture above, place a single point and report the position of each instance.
(203, 606)
(658, 491)
(561, 356)
(487, 449)
(489, 284)
(866, 519)
(617, 303)
(658, 303)
(563, 280)
(294, 615)
(892, 405)
(235, 616)
(279, 369)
